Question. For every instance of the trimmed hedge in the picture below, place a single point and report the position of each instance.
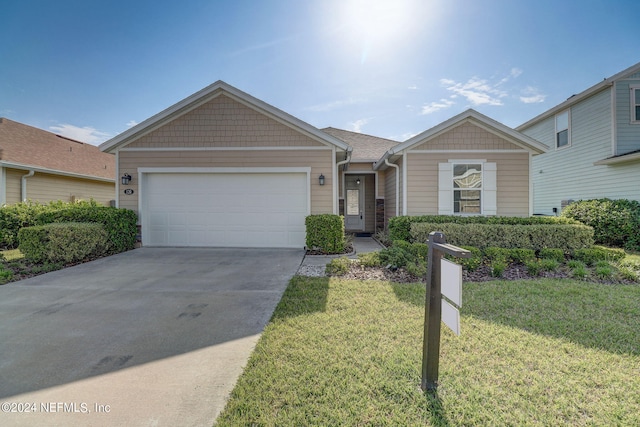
(564, 236)
(615, 222)
(120, 224)
(14, 217)
(62, 242)
(400, 226)
(325, 232)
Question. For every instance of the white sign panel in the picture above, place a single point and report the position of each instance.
(451, 317)
(451, 281)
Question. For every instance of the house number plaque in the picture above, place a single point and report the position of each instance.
(128, 191)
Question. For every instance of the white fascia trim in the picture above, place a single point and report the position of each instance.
(54, 171)
(618, 159)
(3, 186)
(334, 182)
(292, 148)
(467, 161)
(467, 151)
(530, 185)
(117, 186)
(306, 170)
(614, 127)
(404, 183)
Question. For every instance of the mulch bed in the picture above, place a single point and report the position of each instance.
(482, 274)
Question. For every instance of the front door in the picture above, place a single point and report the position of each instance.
(354, 203)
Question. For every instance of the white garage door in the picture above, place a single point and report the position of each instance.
(225, 209)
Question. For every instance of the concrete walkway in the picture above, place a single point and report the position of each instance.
(313, 265)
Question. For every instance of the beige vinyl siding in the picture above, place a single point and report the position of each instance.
(13, 191)
(43, 188)
(467, 136)
(389, 194)
(512, 181)
(224, 122)
(320, 161)
(369, 203)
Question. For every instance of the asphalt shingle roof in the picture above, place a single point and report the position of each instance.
(26, 145)
(366, 148)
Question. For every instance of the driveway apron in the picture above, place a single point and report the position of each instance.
(149, 337)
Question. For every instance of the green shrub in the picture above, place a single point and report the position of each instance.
(553, 253)
(498, 266)
(604, 270)
(400, 226)
(5, 275)
(574, 263)
(592, 255)
(14, 217)
(63, 242)
(522, 256)
(534, 267)
(395, 257)
(325, 232)
(120, 224)
(564, 236)
(469, 264)
(417, 267)
(615, 222)
(494, 253)
(370, 259)
(549, 264)
(627, 273)
(580, 272)
(338, 266)
(419, 250)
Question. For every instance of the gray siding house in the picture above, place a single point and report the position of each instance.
(594, 145)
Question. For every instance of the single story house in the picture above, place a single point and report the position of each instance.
(41, 166)
(222, 168)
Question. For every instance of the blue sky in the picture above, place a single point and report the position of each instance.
(90, 69)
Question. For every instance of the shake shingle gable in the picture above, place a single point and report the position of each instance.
(23, 145)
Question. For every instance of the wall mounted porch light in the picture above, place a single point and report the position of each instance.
(358, 181)
(321, 179)
(126, 179)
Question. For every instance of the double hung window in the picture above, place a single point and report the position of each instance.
(467, 188)
(563, 136)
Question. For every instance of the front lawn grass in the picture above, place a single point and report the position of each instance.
(539, 352)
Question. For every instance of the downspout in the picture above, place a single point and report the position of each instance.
(24, 184)
(340, 163)
(386, 162)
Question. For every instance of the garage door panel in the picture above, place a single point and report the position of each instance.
(223, 209)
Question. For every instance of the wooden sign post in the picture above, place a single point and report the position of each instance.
(438, 247)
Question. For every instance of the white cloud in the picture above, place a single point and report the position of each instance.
(532, 95)
(84, 134)
(477, 91)
(413, 87)
(357, 125)
(131, 123)
(434, 106)
(515, 72)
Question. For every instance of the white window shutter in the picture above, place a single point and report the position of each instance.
(445, 189)
(490, 189)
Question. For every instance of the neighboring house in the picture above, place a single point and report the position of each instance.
(41, 166)
(594, 145)
(222, 168)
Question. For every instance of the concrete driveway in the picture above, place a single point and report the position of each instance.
(150, 337)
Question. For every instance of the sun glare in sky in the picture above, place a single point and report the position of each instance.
(374, 29)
